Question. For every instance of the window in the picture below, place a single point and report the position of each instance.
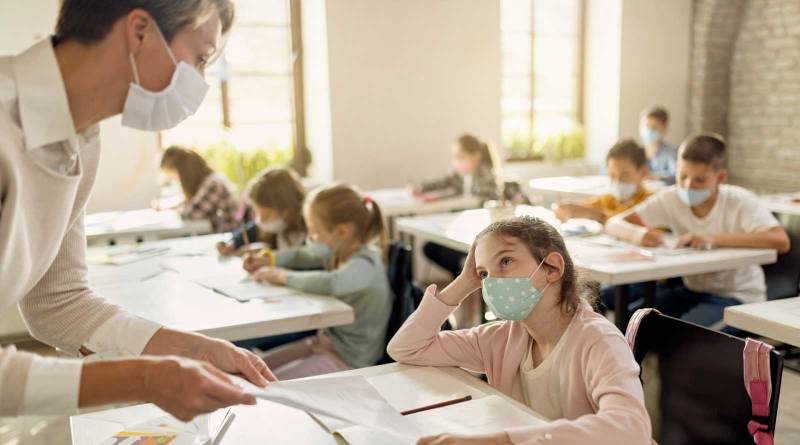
(251, 104)
(542, 47)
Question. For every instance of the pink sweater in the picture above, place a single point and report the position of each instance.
(601, 395)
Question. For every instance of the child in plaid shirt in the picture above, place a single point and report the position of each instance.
(206, 193)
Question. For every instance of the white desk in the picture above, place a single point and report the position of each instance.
(577, 188)
(146, 289)
(785, 203)
(269, 422)
(458, 230)
(777, 319)
(400, 202)
(140, 225)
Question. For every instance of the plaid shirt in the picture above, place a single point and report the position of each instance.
(214, 202)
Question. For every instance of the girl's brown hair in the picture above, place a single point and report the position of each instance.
(281, 189)
(342, 204)
(541, 239)
(472, 145)
(191, 167)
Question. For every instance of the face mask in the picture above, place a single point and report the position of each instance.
(649, 135)
(272, 227)
(693, 197)
(462, 167)
(319, 249)
(623, 190)
(155, 111)
(512, 298)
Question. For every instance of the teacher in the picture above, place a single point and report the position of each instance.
(144, 59)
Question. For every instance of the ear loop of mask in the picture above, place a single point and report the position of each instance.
(169, 52)
(537, 270)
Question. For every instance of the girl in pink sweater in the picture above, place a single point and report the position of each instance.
(551, 352)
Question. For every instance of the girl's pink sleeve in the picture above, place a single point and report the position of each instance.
(420, 342)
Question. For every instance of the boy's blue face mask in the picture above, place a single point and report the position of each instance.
(693, 197)
(650, 135)
(512, 298)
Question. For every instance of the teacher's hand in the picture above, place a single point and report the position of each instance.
(220, 353)
(187, 388)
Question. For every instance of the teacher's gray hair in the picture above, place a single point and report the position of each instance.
(89, 21)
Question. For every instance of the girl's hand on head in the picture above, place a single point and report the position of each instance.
(271, 275)
(469, 274)
(447, 439)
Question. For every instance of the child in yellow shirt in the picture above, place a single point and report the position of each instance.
(626, 163)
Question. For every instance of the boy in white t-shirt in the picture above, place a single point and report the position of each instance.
(705, 213)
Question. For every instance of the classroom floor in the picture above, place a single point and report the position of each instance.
(55, 430)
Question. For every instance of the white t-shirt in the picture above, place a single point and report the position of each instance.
(541, 385)
(737, 210)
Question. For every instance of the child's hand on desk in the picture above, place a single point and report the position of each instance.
(446, 439)
(653, 238)
(225, 249)
(697, 241)
(271, 275)
(564, 212)
(253, 261)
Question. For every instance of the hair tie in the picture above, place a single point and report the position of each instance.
(367, 200)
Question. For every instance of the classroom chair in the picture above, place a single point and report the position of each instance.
(783, 276)
(407, 295)
(703, 386)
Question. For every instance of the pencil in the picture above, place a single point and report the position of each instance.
(437, 405)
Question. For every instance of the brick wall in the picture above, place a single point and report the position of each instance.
(745, 84)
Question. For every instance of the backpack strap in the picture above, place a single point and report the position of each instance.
(758, 384)
(633, 324)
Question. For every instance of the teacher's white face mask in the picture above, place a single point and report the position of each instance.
(162, 110)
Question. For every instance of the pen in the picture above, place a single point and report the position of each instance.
(437, 405)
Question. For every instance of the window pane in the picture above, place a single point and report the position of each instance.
(262, 49)
(275, 12)
(555, 17)
(260, 99)
(555, 54)
(546, 124)
(269, 136)
(517, 88)
(515, 15)
(516, 54)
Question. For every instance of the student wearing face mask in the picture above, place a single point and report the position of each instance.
(276, 196)
(626, 164)
(662, 157)
(706, 213)
(143, 59)
(349, 242)
(551, 351)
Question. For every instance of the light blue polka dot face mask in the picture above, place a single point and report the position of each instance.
(512, 298)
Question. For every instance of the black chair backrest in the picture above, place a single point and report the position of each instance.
(406, 300)
(783, 276)
(702, 397)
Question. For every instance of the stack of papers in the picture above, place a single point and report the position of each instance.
(166, 430)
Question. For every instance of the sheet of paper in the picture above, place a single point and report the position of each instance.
(486, 415)
(123, 256)
(250, 290)
(430, 385)
(206, 266)
(347, 399)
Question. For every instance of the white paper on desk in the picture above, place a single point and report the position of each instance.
(205, 266)
(486, 415)
(431, 385)
(347, 399)
(250, 290)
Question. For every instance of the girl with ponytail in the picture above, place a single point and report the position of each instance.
(348, 240)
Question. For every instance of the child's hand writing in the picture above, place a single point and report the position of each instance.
(271, 275)
(697, 241)
(653, 238)
(252, 262)
(225, 249)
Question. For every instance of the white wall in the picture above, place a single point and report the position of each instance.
(406, 78)
(637, 54)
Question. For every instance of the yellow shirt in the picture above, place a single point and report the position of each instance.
(610, 206)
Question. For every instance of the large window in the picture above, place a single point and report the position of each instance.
(252, 101)
(542, 46)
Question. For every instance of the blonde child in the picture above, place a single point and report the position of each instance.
(343, 226)
(277, 198)
(551, 351)
(626, 164)
(206, 193)
(705, 213)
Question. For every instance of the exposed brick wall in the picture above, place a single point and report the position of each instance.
(745, 84)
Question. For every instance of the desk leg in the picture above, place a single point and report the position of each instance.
(649, 294)
(621, 297)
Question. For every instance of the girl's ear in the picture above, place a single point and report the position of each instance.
(556, 267)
